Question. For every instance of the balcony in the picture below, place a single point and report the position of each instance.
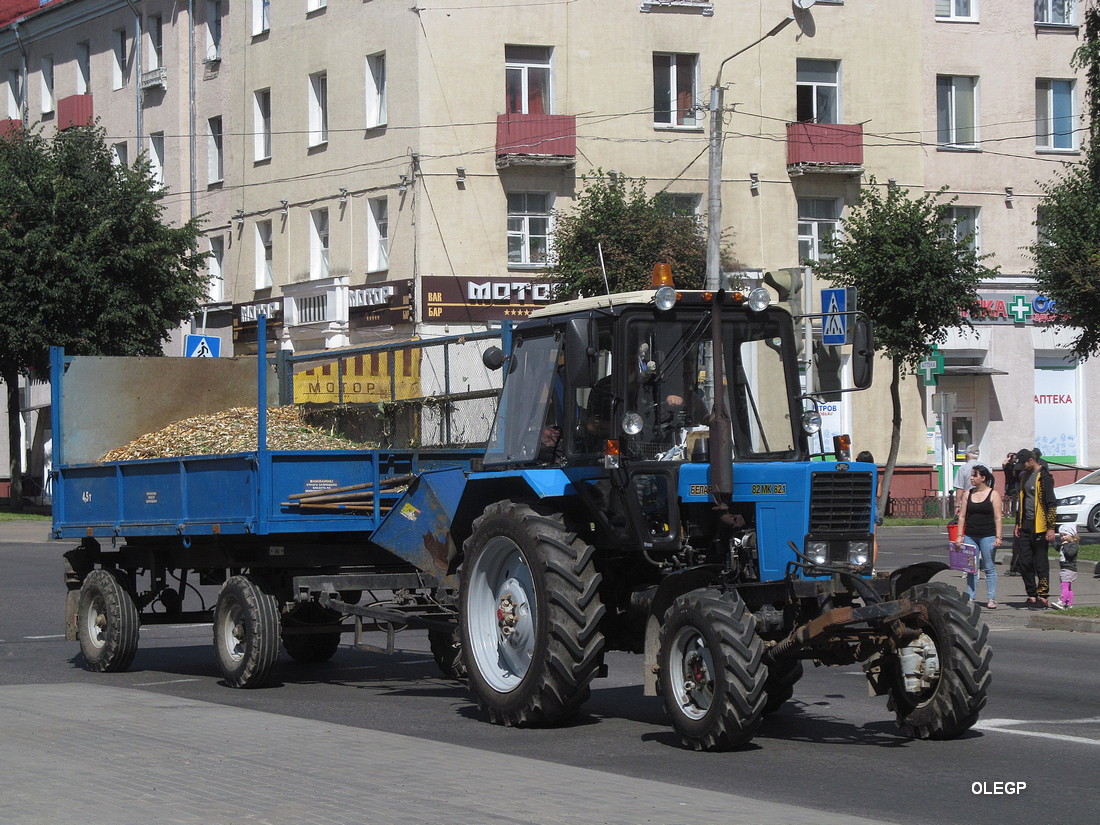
(154, 78)
(75, 110)
(824, 148)
(10, 127)
(536, 140)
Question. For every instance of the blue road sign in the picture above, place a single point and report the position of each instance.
(202, 346)
(834, 330)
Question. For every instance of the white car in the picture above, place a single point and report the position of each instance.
(1080, 502)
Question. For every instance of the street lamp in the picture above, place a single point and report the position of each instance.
(714, 174)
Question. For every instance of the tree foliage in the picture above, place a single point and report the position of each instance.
(1067, 257)
(635, 231)
(914, 275)
(85, 260)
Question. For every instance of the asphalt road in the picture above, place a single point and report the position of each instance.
(832, 748)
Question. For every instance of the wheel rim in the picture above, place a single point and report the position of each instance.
(691, 667)
(95, 623)
(920, 669)
(1094, 520)
(502, 617)
(232, 631)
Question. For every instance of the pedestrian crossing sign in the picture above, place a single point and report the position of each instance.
(834, 303)
(202, 346)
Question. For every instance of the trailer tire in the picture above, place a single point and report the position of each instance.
(246, 632)
(530, 614)
(779, 686)
(712, 671)
(107, 623)
(447, 652)
(312, 648)
(958, 639)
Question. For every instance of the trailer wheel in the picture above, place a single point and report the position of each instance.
(530, 614)
(940, 681)
(107, 623)
(779, 686)
(447, 652)
(246, 632)
(712, 670)
(310, 648)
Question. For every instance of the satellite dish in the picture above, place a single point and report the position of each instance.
(804, 4)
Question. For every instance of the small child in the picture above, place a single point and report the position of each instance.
(1067, 565)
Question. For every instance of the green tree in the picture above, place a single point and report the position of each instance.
(914, 276)
(1067, 256)
(85, 261)
(635, 231)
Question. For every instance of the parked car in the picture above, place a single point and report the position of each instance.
(1080, 502)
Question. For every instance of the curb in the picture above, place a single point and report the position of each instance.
(1077, 624)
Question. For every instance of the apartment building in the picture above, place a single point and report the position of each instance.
(371, 169)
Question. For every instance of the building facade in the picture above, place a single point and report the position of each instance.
(369, 170)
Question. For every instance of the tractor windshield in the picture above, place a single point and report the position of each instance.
(532, 391)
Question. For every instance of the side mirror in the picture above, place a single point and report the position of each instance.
(863, 352)
(493, 358)
(580, 351)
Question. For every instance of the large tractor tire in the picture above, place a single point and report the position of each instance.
(530, 616)
(311, 648)
(939, 682)
(779, 686)
(712, 672)
(246, 632)
(447, 651)
(107, 623)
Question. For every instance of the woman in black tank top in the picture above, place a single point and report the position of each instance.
(980, 526)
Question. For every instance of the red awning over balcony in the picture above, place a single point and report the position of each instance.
(75, 110)
(825, 145)
(543, 139)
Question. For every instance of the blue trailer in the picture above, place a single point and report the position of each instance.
(650, 482)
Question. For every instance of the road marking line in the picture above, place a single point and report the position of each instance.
(1005, 726)
(165, 682)
(51, 636)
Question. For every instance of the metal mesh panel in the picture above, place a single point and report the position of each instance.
(840, 502)
(435, 392)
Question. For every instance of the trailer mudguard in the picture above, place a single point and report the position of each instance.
(418, 527)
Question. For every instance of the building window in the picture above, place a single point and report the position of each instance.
(527, 80)
(818, 220)
(46, 77)
(528, 228)
(1044, 221)
(261, 124)
(1054, 114)
(119, 73)
(680, 203)
(318, 244)
(318, 108)
(963, 221)
(264, 254)
(213, 30)
(261, 16)
(83, 67)
(376, 90)
(215, 292)
(956, 110)
(315, 5)
(378, 235)
(1054, 11)
(14, 95)
(155, 58)
(156, 157)
(215, 158)
(675, 89)
(957, 9)
(818, 91)
(120, 153)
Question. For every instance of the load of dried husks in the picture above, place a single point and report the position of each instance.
(231, 431)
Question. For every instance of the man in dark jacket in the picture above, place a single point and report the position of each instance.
(1036, 517)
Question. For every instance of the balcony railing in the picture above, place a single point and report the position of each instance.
(536, 140)
(155, 77)
(75, 110)
(827, 148)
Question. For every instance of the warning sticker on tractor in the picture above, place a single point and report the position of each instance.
(410, 512)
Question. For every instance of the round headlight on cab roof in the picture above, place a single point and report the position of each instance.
(759, 298)
(665, 298)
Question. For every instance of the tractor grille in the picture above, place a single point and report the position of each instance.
(840, 502)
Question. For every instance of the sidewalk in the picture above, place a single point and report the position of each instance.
(101, 755)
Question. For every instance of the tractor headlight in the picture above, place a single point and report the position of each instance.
(665, 298)
(818, 552)
(859, 553)
(759, 298)
(811, 421)
(632, 423)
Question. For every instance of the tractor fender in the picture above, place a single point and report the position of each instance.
(657, 602)
(905, 577)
